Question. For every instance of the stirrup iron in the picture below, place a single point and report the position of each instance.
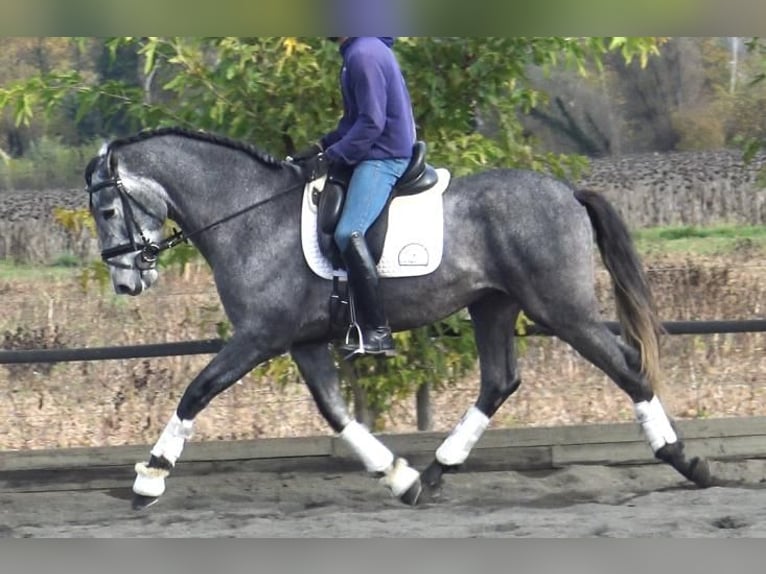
(353, 326)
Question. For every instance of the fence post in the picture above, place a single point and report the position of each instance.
(423, 407)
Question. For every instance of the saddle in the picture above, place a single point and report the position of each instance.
(419, 176)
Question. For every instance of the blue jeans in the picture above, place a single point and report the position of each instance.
(368, 191)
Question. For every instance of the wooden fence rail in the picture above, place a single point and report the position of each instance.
(499, 449)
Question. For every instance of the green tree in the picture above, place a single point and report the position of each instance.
(750, 126)
(281, 92)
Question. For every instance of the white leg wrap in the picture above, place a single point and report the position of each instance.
(149, 481)
(655, 423)
(456, 447)
(400, 477)
(171, 441)
(373, 453)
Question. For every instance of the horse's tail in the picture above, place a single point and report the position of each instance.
(636, 308)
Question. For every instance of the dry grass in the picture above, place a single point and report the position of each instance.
(129, 401)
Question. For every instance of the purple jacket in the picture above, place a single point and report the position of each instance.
(377, 120)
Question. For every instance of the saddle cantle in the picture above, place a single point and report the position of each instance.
(418, 177)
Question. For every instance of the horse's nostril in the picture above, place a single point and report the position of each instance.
(123, 289)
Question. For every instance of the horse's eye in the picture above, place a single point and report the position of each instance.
(107, 213)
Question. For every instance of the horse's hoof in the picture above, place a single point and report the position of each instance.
(430, 493)
(699, 472)
(432, 478)
(696, 470)
(432, 475)
(411, 496)
(141, 502)
(403, 481)
(150, 480)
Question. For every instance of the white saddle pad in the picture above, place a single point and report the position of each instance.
(414, 241)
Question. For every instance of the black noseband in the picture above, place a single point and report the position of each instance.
(148, 251)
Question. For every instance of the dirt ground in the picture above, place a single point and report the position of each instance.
(575, 502)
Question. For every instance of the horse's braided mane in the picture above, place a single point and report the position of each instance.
(217, 139)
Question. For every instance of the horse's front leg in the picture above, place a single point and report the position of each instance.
(239, 355)
(318, 369)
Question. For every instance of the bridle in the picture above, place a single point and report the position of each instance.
(149, 251)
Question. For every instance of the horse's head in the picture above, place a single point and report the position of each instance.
(129, 211)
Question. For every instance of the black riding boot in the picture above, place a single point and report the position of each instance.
(363, 280)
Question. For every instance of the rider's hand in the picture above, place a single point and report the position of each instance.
(307, 153)
(315, 166)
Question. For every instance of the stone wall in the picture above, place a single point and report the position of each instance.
(683, 188)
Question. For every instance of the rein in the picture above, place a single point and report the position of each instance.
(149, 251)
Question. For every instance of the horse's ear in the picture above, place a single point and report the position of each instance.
(111, 161)
(89, 169)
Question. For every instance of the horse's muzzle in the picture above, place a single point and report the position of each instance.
(133, 282)
(126, 289)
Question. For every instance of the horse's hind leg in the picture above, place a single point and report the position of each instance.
(494, 319)
(318, 370)
(596, 343)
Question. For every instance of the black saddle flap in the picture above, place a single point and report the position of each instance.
(330, 206)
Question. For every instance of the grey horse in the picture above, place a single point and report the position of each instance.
(514, 241)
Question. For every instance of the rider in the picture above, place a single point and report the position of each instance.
(374, 138)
